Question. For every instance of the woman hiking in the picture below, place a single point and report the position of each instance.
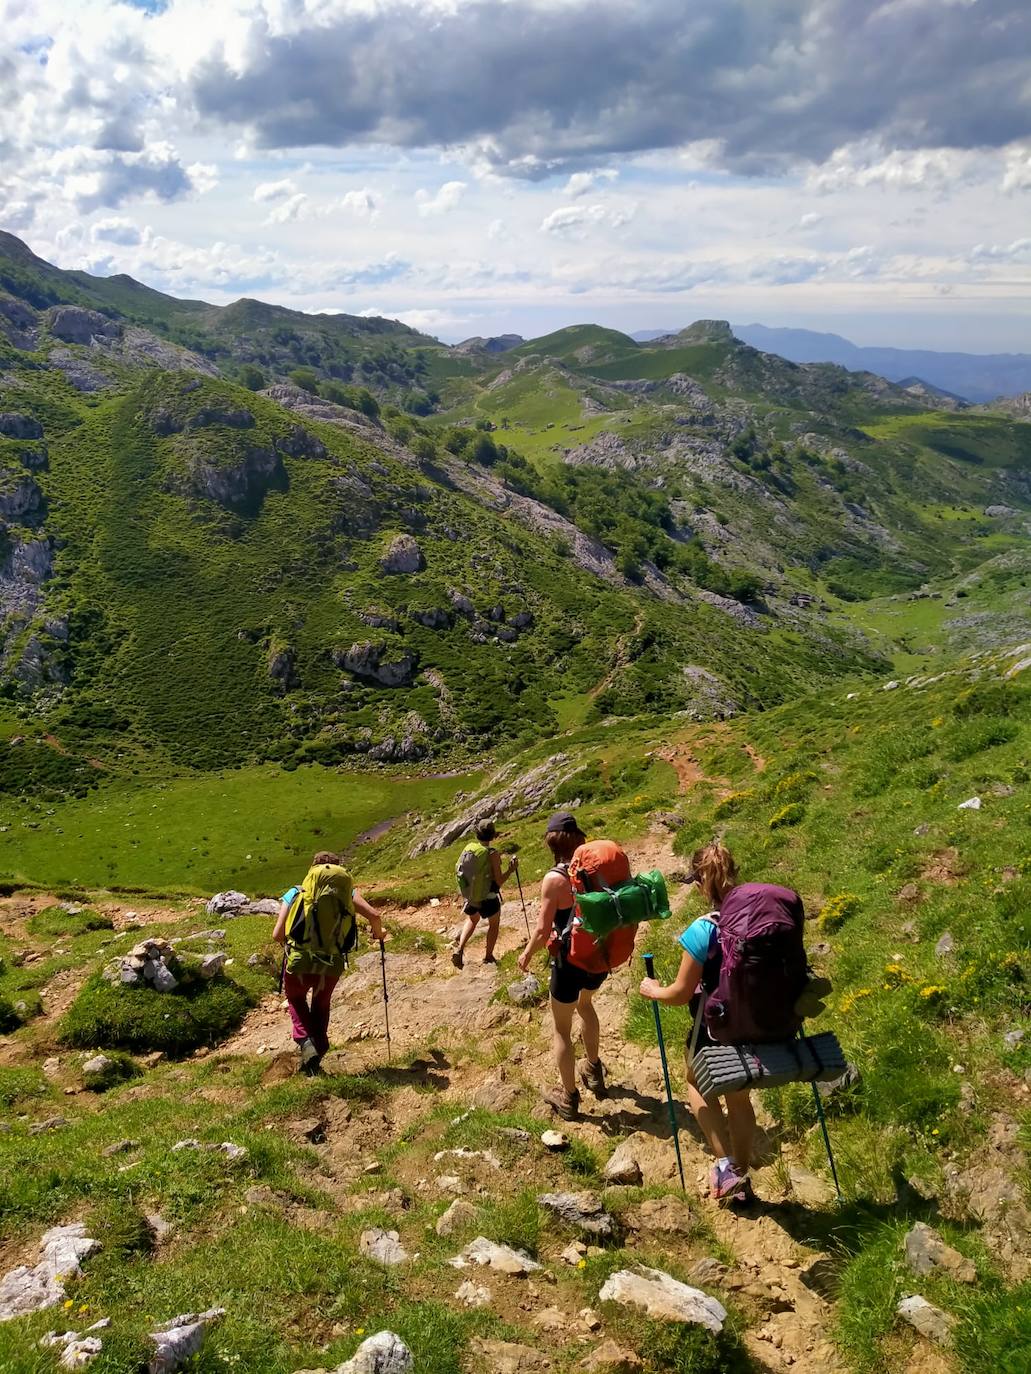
(572, 989)
(763, 998)
(481, 879)
(317, 926)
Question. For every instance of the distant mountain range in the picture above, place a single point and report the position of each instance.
(974, 377)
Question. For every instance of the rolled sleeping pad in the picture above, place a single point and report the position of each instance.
(639, 899)
(720, 1069)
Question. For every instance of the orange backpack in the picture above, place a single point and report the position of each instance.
(596, 865)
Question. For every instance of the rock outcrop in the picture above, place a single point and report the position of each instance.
(403, 556)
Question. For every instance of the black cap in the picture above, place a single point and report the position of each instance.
(564, 822)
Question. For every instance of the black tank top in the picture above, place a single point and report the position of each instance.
(563, 914)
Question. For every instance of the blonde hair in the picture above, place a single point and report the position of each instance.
(714, 870)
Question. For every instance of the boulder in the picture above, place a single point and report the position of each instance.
(402, 556)
(15, 426)
(72, 324)
(382, 1246)
(971, 804)
(383, 1353)
(623, 1166)
(490, 1255)
(929, 1320)
(212, 964)
(179, 1340)
(366, 660)
(926, 1252)
(212, 415)
(97, 1065)
(583, 1211)
(660, 1295)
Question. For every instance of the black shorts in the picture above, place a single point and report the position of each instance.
(488, 908)
(568, 981)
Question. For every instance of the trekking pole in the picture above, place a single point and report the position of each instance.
(386, 999)
(827, 1142)
(522, 899)
(649, 968)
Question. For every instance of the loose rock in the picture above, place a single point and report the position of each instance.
(930, 1321)
(945, 945)
(383, 1246)
(667, 1216)
(581, 1210)
(525, 991)
(473, 1294)
(554, 1140)
(383, 1353)
(226, 903)
(180, 1339)
(623, 1166)
(505, 1357)
(610, 1358)
(459, 1214)
(926, 1251)
(501, 1258)
(62, 1249)
(660, 1295)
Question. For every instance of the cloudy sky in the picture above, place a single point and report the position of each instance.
(474, 166)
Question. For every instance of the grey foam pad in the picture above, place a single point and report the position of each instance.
(720, 1069)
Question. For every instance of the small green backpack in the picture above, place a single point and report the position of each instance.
(321, 929)
(473, 873)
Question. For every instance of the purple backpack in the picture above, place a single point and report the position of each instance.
(762, 967)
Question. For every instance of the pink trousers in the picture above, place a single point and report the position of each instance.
(310, 1018)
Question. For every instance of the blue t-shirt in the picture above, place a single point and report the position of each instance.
(289, 895)
(700, 939)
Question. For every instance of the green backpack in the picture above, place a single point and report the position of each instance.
(473, 873)
(321, 929)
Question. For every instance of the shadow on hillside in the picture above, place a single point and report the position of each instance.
(428, 1072)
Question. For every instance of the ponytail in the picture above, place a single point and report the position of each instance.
(714, 870)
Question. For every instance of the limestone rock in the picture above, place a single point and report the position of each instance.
(525, 991)
(212, 964)
(74, 325)
(382, 1246)
(926, 1251)
(383, 1353)
(366, 660)
(403, 556)
(473, 1294)
(501, 1258)
(552, 1320)
(226, 903)
(14, 426)
(584, 1211)
(555, 1141)
(929, 1320)
(505, 1357)
(76, 1351)
(97, 1065)
(660, 1295)
(62, 1248)
(666, 1216)
(180, 1339)
(809, 1188)
(946, 944)
(459, 1214)
(971, 804)
(624, 1166)
(610, 1358)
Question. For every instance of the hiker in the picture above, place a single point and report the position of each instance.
(316, 949)
(572, 987)
(480, 881)
(750, 1004)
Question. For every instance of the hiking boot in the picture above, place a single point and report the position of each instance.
(566, 1105)
(489, 959)
(309, 1055)
(457, 959)
(312, 1068)
(729, 1184)
(592, 1076)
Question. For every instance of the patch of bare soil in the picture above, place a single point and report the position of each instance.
(944, 867)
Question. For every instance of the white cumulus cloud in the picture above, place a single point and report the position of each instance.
(445, 200)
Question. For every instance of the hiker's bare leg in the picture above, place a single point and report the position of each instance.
(711, 1120)
(741, 1120)
(590, 1029)
(562, 1042)
(471, 922)
(493, 926)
